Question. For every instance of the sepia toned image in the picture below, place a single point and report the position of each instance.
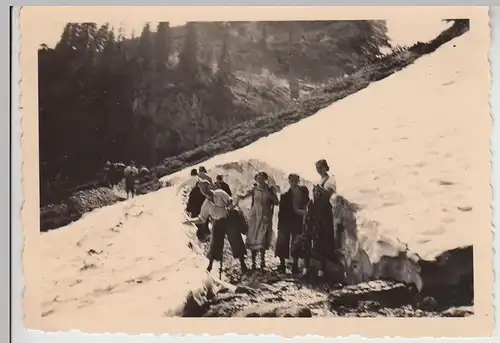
(270, 163)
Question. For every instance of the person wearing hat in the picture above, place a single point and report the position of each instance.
(216, 207)
(130, 174)
(319, 220)
(260, 221)
(221, 184)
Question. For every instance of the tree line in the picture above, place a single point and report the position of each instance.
(106, 97)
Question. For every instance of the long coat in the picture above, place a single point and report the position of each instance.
(289, 220)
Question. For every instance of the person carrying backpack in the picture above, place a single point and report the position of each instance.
(130, 174)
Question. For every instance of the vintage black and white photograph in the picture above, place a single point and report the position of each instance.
(259, 168)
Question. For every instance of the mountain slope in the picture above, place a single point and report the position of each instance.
(272, 109)
(397, 150)
(396, 147)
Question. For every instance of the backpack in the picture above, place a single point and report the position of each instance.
(238, 220)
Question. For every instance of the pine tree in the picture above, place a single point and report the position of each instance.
(263, 37)
(188, 70)
(223, 97)
(293, 52)
(224, 75)
(145, 48)
(64, 43)
(163, 44)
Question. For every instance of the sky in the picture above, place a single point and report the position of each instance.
(402, 32)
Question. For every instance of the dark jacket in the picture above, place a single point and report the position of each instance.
(195, 201)
(288, 219)
(225, 187)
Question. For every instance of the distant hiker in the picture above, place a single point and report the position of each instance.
(264, 198)
(202, 174)
(130, 174)
(217, 206)
(319, 220)
(291, 216)
(117, 172)
(143, 171)
(119, 167)
(221, 184)
(107, 173)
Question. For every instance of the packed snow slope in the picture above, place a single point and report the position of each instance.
(411, 150)
(408, 149)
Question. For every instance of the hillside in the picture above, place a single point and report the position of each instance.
(314, 51)
(66, 201)
(104, 97)
(95, 280)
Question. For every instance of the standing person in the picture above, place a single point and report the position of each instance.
(202, 174)
(217, 206)
(107, 174)
(190, 182)
(130, 173)
(221, 184)
(319, 219)
(117, 170)
(291, 216)
(193, 207)
(260, 220)
(143, 171)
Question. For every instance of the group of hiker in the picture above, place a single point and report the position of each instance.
(115, 172)
(305, 223)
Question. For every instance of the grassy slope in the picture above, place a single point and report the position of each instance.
(55, 216)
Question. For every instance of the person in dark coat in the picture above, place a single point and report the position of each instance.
(130, 174)
(291, 215)
(319, 228)
(193, 208)
(221, 184)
